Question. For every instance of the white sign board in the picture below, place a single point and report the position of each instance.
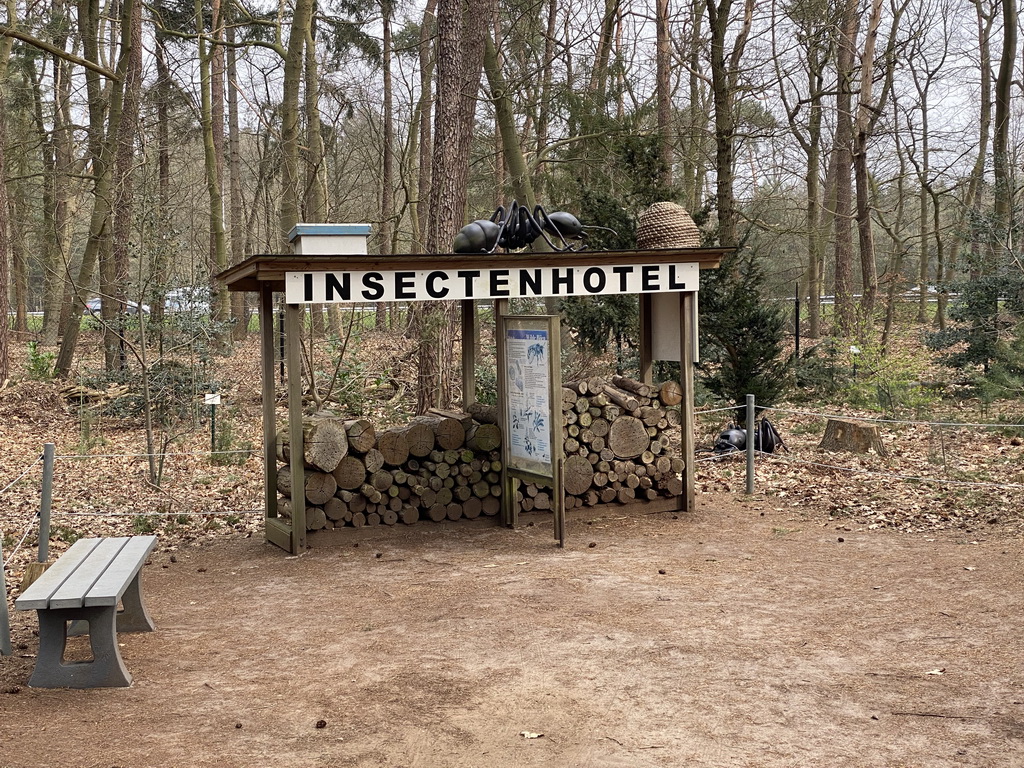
(211, 399)
(512, 282)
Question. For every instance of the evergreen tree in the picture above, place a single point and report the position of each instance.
(741, 334)
(984, 312)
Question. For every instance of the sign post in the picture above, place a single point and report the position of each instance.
(530, 388)
(212, 399)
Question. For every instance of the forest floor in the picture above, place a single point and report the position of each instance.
(829, 619)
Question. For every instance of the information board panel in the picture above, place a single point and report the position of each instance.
(528, 384)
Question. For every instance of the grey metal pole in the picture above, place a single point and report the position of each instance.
(5, 619)
(750, 443)
(49, 449)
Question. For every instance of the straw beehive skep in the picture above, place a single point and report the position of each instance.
(666, 225)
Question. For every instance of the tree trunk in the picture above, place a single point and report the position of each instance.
(211, 68)
(103, 128)
(460, 50)
(240, 326)
(663, 88)
(387, 197)
(5, 239)
(425, 107)
(843, 152)
(724, 77)
(1001, 166)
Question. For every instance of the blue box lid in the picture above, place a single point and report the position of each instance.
(327, 230)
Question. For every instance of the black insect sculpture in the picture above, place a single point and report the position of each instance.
(517, 228)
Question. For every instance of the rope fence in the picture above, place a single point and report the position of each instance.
(990, 425)
(27, 469)
(28, 530)
(69, 456)
(816, 461)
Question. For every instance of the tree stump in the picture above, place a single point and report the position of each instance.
(852, 436)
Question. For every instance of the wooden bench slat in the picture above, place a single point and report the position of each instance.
(115, 579)
(72, 592)
(38, 595)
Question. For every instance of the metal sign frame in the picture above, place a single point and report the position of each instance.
(529, 404)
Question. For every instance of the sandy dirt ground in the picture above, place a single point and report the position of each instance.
(739, 636)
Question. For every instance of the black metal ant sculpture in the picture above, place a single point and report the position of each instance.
(518, 228)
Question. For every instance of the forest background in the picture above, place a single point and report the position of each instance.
(864, 155)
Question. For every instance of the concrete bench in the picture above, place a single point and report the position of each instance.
(79, 594)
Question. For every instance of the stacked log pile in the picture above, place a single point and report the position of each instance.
(447, 465)
(440, 466)
(615, 438)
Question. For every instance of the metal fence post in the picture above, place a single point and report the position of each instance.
(750, 444)
(5, 619)
(49, 449)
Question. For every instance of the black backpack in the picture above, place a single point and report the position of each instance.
(767, 438)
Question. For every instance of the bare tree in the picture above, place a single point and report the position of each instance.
(725, 70)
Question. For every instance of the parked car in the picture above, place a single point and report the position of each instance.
(188, 299)
(94, 306)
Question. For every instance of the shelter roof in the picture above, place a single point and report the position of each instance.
(270, 269)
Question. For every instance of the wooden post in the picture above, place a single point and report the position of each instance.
(275, 531)
(46, 502)
(751, 427)
(509, 507)
(294, 314)
(646, 339)
(5, 621)
(687, 304)
(469, 341)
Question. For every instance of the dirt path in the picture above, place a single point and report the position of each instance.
(730, 638)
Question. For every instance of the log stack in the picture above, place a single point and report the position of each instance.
(447, 465)
(441, 466)
(615, 438)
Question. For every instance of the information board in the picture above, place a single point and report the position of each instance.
(528, 384)
(529, 394)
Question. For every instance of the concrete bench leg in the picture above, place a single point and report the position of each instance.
(133, 618)
(106, 670)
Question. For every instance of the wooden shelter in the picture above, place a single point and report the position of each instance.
(331, 264)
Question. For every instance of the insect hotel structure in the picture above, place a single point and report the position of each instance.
(547, 445)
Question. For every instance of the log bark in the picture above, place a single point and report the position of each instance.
(578, 474)
(671, 393)
(485, 414)
(284, 480)
(483, 437)
(632, 385)
(350, 473)
(449, 433)
(627, 437)
(393, 447)
(361, 435)
(622, 399)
